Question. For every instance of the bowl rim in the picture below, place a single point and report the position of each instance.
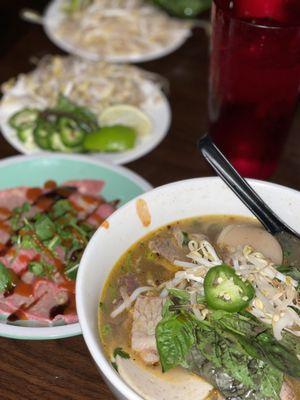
(66, 330)
(105, 368)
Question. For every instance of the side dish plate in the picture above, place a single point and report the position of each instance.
(156, 107)
(120, 183)
(54, 15)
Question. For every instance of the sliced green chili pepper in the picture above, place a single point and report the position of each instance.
(111, 138)
(23, 117)
(70, 133)
(42, 133)
(56, 144)
(225, 290)
(25, 133)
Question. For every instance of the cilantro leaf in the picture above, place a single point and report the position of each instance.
(36, 268)
(6, 278)
(44, 227)
(61, 207)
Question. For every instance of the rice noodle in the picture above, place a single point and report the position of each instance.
(127, 303)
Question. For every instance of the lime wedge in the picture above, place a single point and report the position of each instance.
(126, 115)
(110, 139)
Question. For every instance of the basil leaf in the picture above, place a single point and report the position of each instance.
(292, 271)
(174, 338)
(166, 313)
(6, 278)
(227, 355)
(258, 341)
(182, 295)
(278, 355)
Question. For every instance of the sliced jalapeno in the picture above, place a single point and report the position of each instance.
(42, 133)
(23, 117)
(225, 290)
(56, 143)
(70, 132)
(25, 133)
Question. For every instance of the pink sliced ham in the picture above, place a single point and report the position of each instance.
(83, 207)
(4, 236)
(45, 300)
(47, 296)
(12, 198)
(68, 318)
(5, 307)
(87, 186)
(18, 260)
(101, 213)
(15, 301)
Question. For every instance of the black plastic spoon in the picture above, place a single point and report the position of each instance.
(287, 237)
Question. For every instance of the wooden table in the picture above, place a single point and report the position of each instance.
(63, 369)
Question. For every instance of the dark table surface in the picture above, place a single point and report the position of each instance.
(63, 369)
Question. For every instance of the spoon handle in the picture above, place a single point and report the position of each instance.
(240, 187)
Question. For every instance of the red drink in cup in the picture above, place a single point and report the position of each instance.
(254, 80)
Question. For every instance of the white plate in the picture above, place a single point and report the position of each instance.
(54, 15)
(34, 171)
(156, 107)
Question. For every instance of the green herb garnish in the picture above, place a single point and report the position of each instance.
(121, 353)
(6, 278)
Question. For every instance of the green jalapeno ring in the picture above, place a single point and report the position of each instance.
(225, 290)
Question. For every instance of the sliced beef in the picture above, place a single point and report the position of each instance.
(146, 316)
(87, 186)
(129, 282)
(168, 248)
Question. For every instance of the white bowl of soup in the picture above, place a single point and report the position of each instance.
(182, 294)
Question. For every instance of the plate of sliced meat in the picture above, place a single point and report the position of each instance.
(50, 207)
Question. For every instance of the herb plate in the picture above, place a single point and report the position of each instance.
(34, 171)
(156, 106)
